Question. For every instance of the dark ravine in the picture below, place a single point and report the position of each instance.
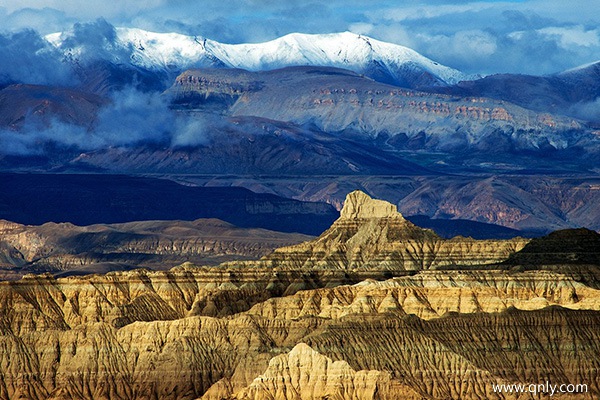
(85, 199)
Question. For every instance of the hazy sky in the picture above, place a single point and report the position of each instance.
(528, 36)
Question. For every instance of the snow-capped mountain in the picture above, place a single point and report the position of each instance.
(386, 62)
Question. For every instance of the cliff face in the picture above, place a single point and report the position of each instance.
(336, 100)
(430, 295)
(247, 330)
(371, 234)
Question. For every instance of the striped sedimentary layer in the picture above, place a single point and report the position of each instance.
(326, 324)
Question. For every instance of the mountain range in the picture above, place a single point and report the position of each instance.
(170, 52)
(573, 92)
(502, 149)
(142, 53)
(347, 104)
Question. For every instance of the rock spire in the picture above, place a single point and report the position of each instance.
(359, 205)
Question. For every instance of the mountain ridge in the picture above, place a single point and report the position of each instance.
(168, 52)
(343, 103)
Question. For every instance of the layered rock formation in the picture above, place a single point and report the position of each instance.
(307, 374)
(75, 249)
(324, 95)
(133, 335)
(305, 330)
(372, 234)
(430, 295)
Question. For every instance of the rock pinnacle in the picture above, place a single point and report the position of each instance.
(359, 205)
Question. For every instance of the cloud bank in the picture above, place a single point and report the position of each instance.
(26, 57)
(132, 118)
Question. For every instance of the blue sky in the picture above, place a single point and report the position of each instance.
(528, 36)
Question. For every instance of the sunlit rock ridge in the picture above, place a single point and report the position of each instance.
(359, 205)
(372, 234)
(322, 325)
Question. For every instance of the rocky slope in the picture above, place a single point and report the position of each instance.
(41, 104)
(541, 203)
(335, 100)
(249, 146)
(72, 249)
(245, 331)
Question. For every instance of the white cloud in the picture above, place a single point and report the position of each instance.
(475, 41)
(362, 28)
(463, 47)
(573, 36)
(411, 13)
(85, 9)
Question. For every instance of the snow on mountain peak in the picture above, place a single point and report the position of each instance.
(580, 68)
(344, 50)
(361, 54)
